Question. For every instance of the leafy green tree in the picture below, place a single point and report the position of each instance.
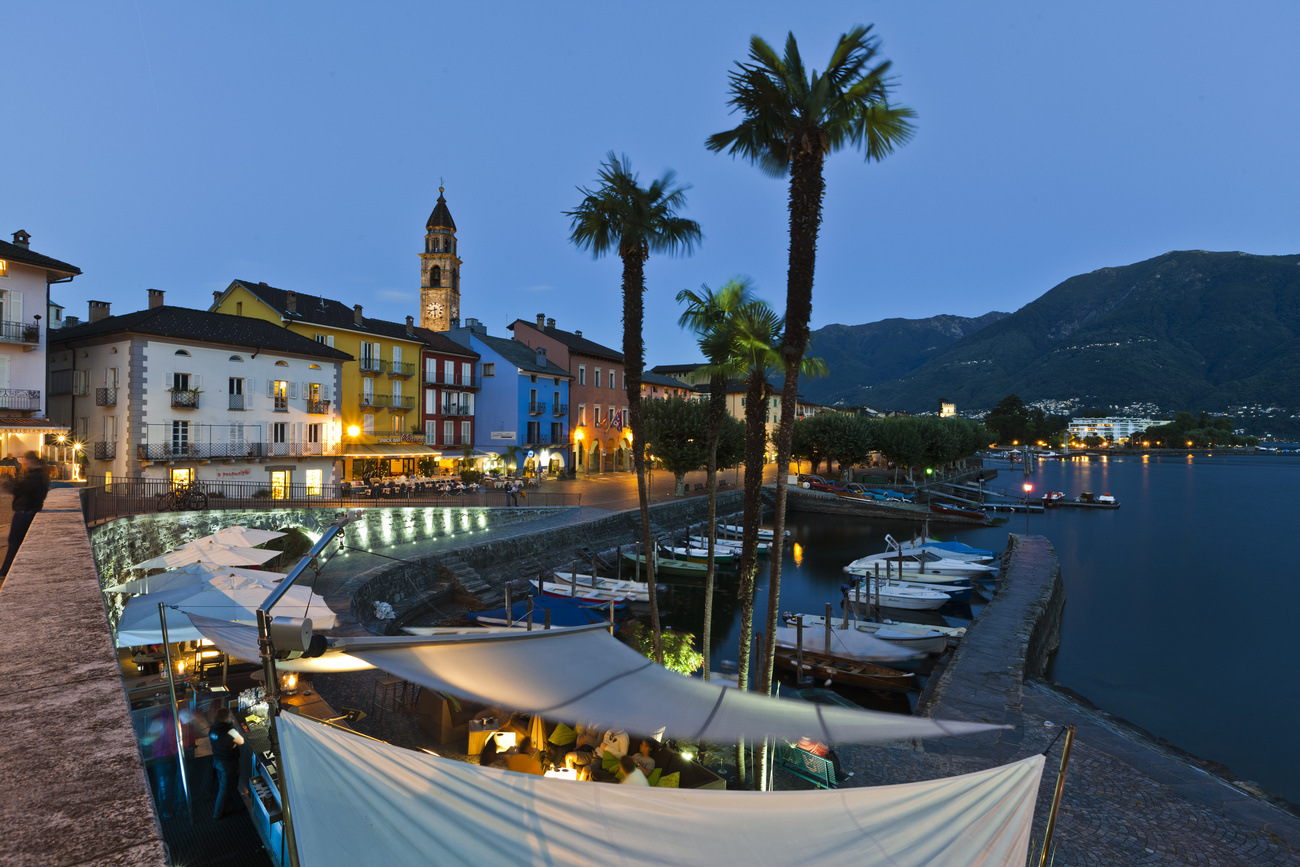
(791, 119)
(678, 648)
(677, 432)
(634, 221)
(842, 438)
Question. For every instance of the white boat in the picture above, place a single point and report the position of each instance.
(947, 550)
(914, 563)
(697, 555)
(723, 544)
(918, 639)
(736, 531)
(910, 597)
(595, 587)
(888, 571)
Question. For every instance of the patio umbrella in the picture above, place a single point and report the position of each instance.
(236, 537)
(186, 576)
(223, 597)
(216, 555)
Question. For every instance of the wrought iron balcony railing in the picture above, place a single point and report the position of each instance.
(20, 398)
(20, 332)
(318, 407)
(239, 401)
(105, 451)
(185, 399)
(106, 397)
(559, 409)
(536, 408)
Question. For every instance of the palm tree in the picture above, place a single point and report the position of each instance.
(793, 118)
(635, 221)
(710, 316)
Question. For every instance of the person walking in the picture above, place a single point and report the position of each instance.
(29, 489)
(225, 740)
(512, 493)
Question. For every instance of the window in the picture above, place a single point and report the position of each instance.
(313, 433)
(430, 401)
(313, 483)
(448, 371)
(183, 477)
(182, 352)
(327, 339)
(4, 268)
(430, 433)
(367, 390)
(279, 432)
(466, 373)
(582, 374)
(597, 377)
(430, 369)
(282, 364)
(239, 308)
(236, 358)
(582, 414)
(180, 382)
(280, 391)
(489, 368)
(279, 484)
(532, 378)
(180, 437)
(368, 424)
(466, 435)
(448, 433)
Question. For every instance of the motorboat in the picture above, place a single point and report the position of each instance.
(957, 592)
(592, 596)
(736, 531)
(906, 596)
(917, 562)
(949, 550)
(566, 583)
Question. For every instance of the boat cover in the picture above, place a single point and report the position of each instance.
(564, 612)
(585, 674)
(845, 643)
(362, 802)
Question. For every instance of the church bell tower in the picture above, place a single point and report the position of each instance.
(439, 270)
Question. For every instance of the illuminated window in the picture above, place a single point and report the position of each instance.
(279, 484)
(183, 477)
(313, 483)
(4, 268)
(281, 395)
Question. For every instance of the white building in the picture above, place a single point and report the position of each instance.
(188, 395)
(25, 278)
(1113, 429)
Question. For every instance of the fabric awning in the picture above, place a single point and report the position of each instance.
(360, 801)
(389, 450)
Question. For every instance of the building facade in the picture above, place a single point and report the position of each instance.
(439, 271)
(1112, 429)
(450, 385)
(170, 393)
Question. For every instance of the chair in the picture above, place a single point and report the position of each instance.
(386, 691)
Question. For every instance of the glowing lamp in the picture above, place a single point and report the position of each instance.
(353, 430)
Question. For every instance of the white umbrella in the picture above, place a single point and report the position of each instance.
(187, 576)
(216, 555)
(223, 597)
(236, 537)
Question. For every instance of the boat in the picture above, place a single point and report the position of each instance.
(724, 544)
(564, 612)
(906, 596)
(949, 550)
(846, 671)
(697, 555)
(1052, 497)
(666, 566)
(957, 592)
(957, 512)
(919, 639)
(562, 584)
(736, 531)
(914, 563)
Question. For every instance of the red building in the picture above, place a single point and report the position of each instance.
(450, 381)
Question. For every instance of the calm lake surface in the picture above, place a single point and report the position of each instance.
(1180, 605)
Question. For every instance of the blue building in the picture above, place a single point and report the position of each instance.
(524, 401)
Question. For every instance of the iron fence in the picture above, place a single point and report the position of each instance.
(101, 501)
(20, 398)
(106, 397)
(185, 399)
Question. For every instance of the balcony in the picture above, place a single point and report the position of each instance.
(401, 404)
(240, 402)
(281, 403)
(540, 439)
(454, 380)
(181, 451)
(20, 332)
(536, 408)
(318, 407)
(185, 399)
(375, 399)
(105, 451)
(20, 398)
(559, 409)
(106, 397)
(370, 364)
(449, 410)
(396, 369)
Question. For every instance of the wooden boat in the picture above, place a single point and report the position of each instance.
(592, 586)
(697, 555)
(735, 531)
(722, 542)
(846, 671)
(665, 566)
(920, 639)
(956, 512)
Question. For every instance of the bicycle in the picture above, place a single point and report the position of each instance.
(183, 498)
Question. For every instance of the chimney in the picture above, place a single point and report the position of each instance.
(98, 311)
(22, 238)
(356, 314)
(155, 298)
(578, 333)
(291, 301)
(541, 321)
(69, 321)
(541, 356)
(216, 297)
(550, 323)
(410, 325)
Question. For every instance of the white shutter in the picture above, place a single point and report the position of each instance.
(195, 380)
(329, 341)
(327, 392)
(306, 391)
(270, 388)
(293, 390)
(397, 355)
(15, 310)
(4, 371)
(250, 389)
(170, 380)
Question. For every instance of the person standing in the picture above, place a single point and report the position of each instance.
(225, 740)
(512, 493)
(29, 489)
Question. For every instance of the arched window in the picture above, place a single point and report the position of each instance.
(182, 352)
(282, 364)
(313, 367)
(435, 278)
(236, 358)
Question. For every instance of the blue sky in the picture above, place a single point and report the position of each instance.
(179, 146)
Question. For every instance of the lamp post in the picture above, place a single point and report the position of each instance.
(1028, 487)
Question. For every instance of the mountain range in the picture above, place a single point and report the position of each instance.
(1189, 329)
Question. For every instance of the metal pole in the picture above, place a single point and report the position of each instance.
(798, 640)
(510, 611)
(273, 712)
(611, 616)
(530, 613)
(176, 723)
(827, 618)
(1056, 797)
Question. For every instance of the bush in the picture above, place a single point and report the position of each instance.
(262, 494)
(680, 654)
(471, 477)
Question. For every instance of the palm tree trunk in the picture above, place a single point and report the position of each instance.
(633, 363)
(717, 411)
(806, 190)
(755, 445)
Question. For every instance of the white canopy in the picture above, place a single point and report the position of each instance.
(187, 576)
(362, 802)
(216, 555)
(240, 641)
(236, 537)
(221, 598)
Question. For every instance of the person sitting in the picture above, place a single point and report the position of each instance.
(642, 757)
(584, 750)
(615, 743)
(488, 757)
(524, 760)
(632, 775)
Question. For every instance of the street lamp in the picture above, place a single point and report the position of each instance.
(1028, 487)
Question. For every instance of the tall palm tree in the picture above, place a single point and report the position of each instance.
(621, 215)
(793, 118)
(710, 316)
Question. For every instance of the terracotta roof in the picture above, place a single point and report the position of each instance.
(15, 253)
(202, 326)
(441, 216)
(316, 310)
(438, 341)
(576, 342)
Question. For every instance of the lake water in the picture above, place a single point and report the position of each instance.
(1180, 605)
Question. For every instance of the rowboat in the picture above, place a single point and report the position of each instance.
(846, 671)
(595, 597)
(912, 598)
(697, 555)
(722, 543)
(736, 531)
(562, 585)
(957, 512)
(665, 566)
(919, 639)
(961, 592)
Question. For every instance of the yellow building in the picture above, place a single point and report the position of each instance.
(379, 399)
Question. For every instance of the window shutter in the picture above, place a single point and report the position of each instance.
(270, 388)
(15, 310)
(195, 380)
(293, 390)
(171, 379)
(329, 341)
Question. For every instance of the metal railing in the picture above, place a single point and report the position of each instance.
(239, 401)
(318, 407)
(105, 451)
(20, 332)
(106, 397)
(372, 364)
(187, 451)
(397, 368)
(185, 399)
(448, 409)
(559, 409)
(401, 403)
(122, 497)
(374, 399)
(536, 408)
(471, 381)
(20, 398)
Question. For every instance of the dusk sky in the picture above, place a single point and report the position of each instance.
(180, 146)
